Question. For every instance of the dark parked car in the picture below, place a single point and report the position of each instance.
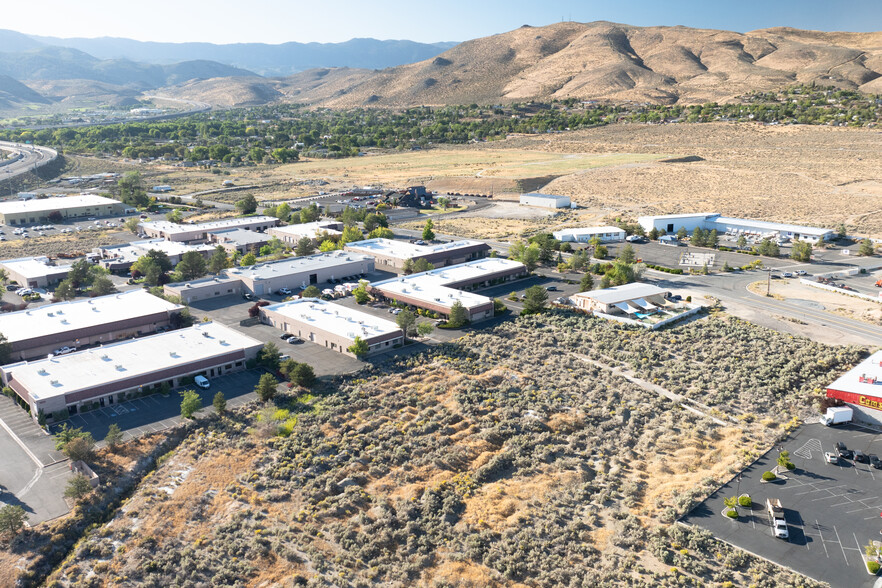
(861, 457)
(843, 451)
(551, 289)
(875, 462)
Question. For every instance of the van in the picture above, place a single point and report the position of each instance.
(202, 381)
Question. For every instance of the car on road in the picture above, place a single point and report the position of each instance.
(551, 289)
(294, 340)
(202, 381)
(801, 273)
(787, 274)
(875, 461)
(776, 276)
(861, 457)
(831, 457)
(636, 239)
(843, 451)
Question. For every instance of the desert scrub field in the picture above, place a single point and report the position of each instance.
(69, 243)
(500, 459)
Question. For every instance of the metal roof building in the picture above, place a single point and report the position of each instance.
(392, 254)
(37, 210)
(725, 225)
(544, 200)
(583, 235)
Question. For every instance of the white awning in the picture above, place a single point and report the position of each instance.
(627, 307)
(644, 304)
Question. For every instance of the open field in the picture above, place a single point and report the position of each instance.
(510, 457)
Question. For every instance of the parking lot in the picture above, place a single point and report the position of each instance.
(832, 511)
(155, 413)
(861, 283)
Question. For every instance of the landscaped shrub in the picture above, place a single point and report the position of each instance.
(873, 567)
(769, 476)
(745, 501)
(732, 513)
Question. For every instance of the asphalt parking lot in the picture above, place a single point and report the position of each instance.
(155, 413)
(862, 283)
(832, 511)
(669, 256)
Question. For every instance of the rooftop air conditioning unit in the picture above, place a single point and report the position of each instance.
(173, 354)
(119, 367)
(43, 372)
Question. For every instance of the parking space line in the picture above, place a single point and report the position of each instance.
(841, 546)
(818, 489)
(824, 543)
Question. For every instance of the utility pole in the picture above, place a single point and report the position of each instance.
(769, 282)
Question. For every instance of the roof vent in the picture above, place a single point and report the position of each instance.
(119, 367)
(173, 354)
(43, 372)
(51, 314)
(105, 357)
(64, 321)
(223, 342)
(204, 334)
(55, 383)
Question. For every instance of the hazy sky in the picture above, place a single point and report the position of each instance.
(278, 21)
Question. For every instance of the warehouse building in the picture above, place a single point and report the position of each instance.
(300, 272)
(106, 375)
(604, 234)
(545, 200)
(332, 325)
(394, 255)
(204, 289)
(38, 210)
(34, 272)
(200, 232)
(861, 389)
(242, 241)
(119, 258)
(438, 290)
(630, 299)
(734, 227)
(39, 331)
(290, 234)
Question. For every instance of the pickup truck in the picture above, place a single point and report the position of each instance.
(776, 518)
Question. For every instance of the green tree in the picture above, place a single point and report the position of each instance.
(381, 233)
(425, 329)
(681, 233)
(65, 290)
(311, 292)
(422, 265)
(623, 273)
(131, 191)
(428, 233)
(351, 234)
(266, 387)
(328, 245)
(536, 298)
(131, 225)
(361, 295)
(586, 283)
(218, 261)
(160, 258)
(102, 286)
(375, 221)
(77, 487)
(653, 234)
(801, 251)
(459, 316)
(304, 247)
(302, 375)
(359, 347)
(247, 205)
(866, 248)
(406, 321)
(247, 260)
(269, 356)
(627, 254)
(114, 437)
(769, 248)
(712, 239)
(12, 520)
(698, 237)
(5, 349)
(80, 448)
(310, 213)
(220, 403)
(175, 216)
(190, 404)
(283, 212)
(600, 252)
(841, 231)
(742, 242)
(191, 266)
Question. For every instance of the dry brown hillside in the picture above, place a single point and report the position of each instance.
(602, 61)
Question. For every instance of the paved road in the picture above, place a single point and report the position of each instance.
(33, 158)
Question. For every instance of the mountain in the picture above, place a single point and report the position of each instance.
(604, 61)
(265, 59)
(13, 92)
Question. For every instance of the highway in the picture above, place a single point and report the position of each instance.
(32, 157)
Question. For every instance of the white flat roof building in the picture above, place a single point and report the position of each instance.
(105, 372)
(117, 257)
(300, 272)
(861, 388)
(332, 325)
(584, 235)
(20, 212)
(623, 293)
(34, 272)
(199, 231)
(392, 253)
(439, 289)
(37, 331)
(544, 200)
(292, 233)
(671, 223)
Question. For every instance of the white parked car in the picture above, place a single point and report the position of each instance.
(202, 381)
(831, 457)
(64, 350)
(285, 291)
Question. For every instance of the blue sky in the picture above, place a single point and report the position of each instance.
(277, 21)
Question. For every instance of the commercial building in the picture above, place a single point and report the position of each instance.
(119, 258)
(300, 272)
(38, 331)
(34, 272)
(861, 388)
(630, 299)
(604, 234)
(438, 290)
(239, 240)
(38, 210)
(205, 288)
(332, 325)
(109, 374)
(290, 234)
(734, 227)
(393, 255)
(545, 200)
(200, 232)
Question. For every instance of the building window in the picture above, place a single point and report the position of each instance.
(238, 364)
(229, 366)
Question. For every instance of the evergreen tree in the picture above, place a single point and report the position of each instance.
(458, 315)
(428, 233)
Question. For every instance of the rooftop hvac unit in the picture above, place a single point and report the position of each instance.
(173, 354)
(55, 383)
(105, 357)
(42, 372)
(64, 321)
(119, 367)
